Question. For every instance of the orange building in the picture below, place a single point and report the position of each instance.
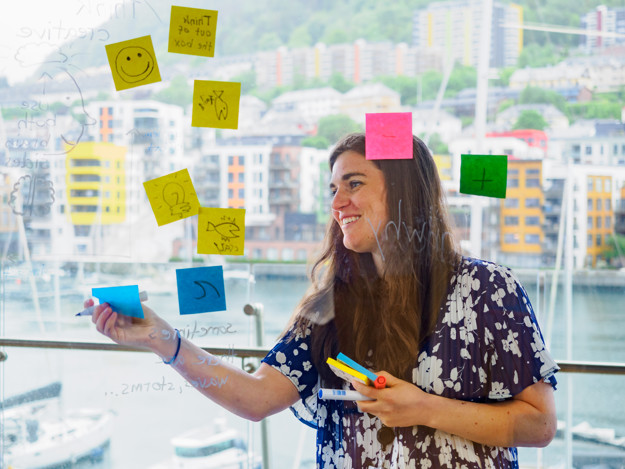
(600, 217)
(521, 211)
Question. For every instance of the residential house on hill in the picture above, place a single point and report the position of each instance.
(373, 97)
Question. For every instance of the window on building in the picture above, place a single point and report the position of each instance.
(532, 202)
(532, 182)
(532, 221)
(598, 240)
(241, 193)
(588, 150)
(608, 185)
(511, 221)
(589, 223)
(532, 172)
(608, 222)
(230, 177)
(511, 238)
(230, 193)
(599, 204)
(590, 184)
(511, 203)
(532, 238)
(598, 185)
(241, 177)
(513, 183)
(589, 241)
(230, 160)
(590, 205)
(598, 222)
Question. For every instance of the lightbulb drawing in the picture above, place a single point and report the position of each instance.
(173, 195)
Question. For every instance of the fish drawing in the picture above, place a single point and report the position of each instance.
(221, 107)
(226, 229)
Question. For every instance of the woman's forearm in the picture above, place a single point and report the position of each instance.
(516, 422)
(250, 396)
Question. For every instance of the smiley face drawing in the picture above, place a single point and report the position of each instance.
(134, 64)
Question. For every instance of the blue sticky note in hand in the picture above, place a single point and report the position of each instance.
(123, 300)
(201, 290)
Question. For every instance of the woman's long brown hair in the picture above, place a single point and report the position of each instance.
(381, 322)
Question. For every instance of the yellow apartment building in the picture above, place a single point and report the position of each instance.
(600, 216)
(96, 183)
(443, 164)
(521, 211)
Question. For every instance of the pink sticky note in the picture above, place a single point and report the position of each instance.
(389, 136)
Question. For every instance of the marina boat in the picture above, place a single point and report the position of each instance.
(35, 434)
(210, 448)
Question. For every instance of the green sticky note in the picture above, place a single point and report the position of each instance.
(484, 175)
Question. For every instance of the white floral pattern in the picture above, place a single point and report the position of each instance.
(486, 347)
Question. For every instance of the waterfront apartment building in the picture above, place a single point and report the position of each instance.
(521, 214)
(453, 27)
(358, 62)
(604, 26)
(153, 132)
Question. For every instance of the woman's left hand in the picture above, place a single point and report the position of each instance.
(399, 404)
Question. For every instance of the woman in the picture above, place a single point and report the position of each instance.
(468, 376)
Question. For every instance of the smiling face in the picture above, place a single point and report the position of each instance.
(134, 64)
(359, 203)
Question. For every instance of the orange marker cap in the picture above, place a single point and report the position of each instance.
(380, 382)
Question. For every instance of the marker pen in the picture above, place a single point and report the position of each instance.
(342, 395)
(143, 296)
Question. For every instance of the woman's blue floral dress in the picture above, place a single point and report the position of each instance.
(486, 347)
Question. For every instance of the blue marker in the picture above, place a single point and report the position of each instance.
(342, 395)
(143, 296)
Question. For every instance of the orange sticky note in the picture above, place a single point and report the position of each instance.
(172, 197)
(221, 231)
(216, 104)
(133, 63)
(388, 136)
(192, 31)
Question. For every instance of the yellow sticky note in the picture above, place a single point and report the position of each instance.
(172, 197)
(192, 31)
(221, 231)
(216, 104)
(133, 63)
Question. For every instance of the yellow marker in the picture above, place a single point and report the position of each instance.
(133, 63)
(345, 372)
(221, 231)
(172, 197)
(192, 31)
(216, 104)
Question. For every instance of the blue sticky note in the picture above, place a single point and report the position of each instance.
(201, 290)
(124, 300)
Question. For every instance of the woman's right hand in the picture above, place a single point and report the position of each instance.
(127, 330)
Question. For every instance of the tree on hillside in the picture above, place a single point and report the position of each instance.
(178, 92)
(335, 126)
(340, 83)
(316, 141)
(530, 119)
(407, 87)
(461, 77)
(247, 80)
(533, 95)
(534, 55)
